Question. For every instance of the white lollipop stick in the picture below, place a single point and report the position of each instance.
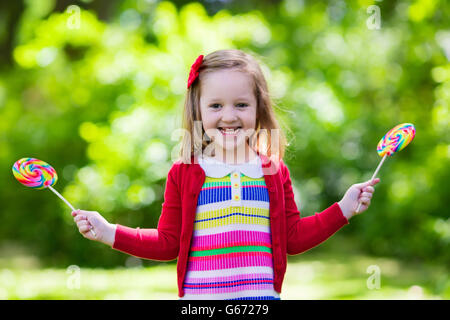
(373, 177)
(68, 203)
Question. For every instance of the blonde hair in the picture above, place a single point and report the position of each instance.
(265, 116)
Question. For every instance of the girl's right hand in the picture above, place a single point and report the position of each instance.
(86, 221)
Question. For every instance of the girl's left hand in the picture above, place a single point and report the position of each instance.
(360, 192)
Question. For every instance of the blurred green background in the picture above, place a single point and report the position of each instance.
(96, 89)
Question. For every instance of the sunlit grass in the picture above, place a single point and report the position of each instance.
(157, 282)
(352, 277)
(308, 277)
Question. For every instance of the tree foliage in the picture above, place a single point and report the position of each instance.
(97, 91)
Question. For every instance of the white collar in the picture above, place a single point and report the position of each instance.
(217, 169)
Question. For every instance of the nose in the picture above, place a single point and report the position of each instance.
(229, 114)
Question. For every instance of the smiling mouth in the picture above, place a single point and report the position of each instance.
(229, 131)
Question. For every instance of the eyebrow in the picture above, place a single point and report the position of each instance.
(237, 99)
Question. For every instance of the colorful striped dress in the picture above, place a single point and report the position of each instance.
(231, 251)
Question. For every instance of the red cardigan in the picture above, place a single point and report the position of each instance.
(291, 234)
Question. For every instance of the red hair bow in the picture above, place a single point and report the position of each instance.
(194, 70)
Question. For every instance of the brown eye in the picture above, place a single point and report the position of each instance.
(242, 105)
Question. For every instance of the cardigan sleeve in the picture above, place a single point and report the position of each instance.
(304, 233)
(163, 242)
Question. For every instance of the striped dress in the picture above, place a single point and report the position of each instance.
(231, 251)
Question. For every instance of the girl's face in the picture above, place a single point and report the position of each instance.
(227, 101)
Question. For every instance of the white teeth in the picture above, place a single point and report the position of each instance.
(230, 130)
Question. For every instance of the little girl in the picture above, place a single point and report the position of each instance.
(229, 214)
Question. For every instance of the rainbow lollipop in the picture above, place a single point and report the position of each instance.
(34, 173)
(37, 174)
(394, 140)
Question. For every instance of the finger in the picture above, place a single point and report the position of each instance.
(365, 201)
(82, 223)
(79, 218)
(366, 195)
(369, 189)
(76, 212)
(84, 229)
(368, 183)
(362, 208)
(363, 185)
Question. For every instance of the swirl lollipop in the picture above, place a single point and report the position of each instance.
(34, 173)
(394, 140)
(37, 174)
